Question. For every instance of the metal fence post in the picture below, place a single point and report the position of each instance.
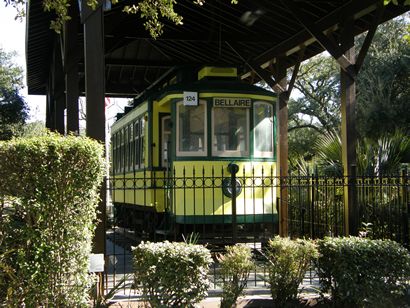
(405, 208)
(353, 212)
(233, 169)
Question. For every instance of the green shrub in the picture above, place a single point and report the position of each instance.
(49, 188)
(236, 265)
(288, 261)
(361, 271)
(172, 274)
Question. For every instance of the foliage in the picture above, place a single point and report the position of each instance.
(33, 129)
(363, 272)
(236, 265)
(383, 83)
(172, 274)
(288, 261)
(318, 106)
(383, 92)
(329, 152)
(395, 2)
(382, 156)
(301, 142)
(50, 189)
(153, 12)
(13, 109)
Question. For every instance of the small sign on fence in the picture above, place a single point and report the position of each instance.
(96, 263)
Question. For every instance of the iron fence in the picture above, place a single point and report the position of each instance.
(224, 208)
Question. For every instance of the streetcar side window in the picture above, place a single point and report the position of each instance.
(130, 147)
(113, 153)
(126, 157)
(142, 144)
(230, 132)
(138, 144)
(263, 129)
(118, 161)
(122, 151)
(191, 130)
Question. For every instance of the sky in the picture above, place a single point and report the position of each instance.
(12, 38)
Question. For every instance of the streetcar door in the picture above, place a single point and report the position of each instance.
(165, 140)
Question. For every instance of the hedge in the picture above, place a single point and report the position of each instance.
(363, 272)
(172, 274)
(49, 193)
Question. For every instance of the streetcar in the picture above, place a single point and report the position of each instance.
(196, 153)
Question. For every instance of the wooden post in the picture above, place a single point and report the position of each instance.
(282, 149)
(57, 89)
(93, 21)
(71, 60)
(348, 106)
(59, 113)
(49, 106)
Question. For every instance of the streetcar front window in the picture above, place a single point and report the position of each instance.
(191, 132)
(263, 129)
(230, 131)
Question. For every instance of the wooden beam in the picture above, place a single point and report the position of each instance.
(296, 70)
(369, 36)
(262, 74)
(322, 39)
(95, 91)
(361, 8)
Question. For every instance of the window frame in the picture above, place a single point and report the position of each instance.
(204, 151)
(263, 154)
(231, 153)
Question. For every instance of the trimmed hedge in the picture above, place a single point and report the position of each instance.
(49, 192)
(172, 274)
(363, 272)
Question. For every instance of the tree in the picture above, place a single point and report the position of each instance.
(13, 109)
(383, 93)
(383, 85)
(318, 107)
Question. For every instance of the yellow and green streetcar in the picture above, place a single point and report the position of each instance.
(197, 154)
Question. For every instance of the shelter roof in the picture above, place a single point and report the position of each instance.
(218, 33)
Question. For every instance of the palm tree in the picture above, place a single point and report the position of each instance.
(383, 156)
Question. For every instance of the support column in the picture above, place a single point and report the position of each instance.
(59, 113)
(93, 21)
(55, 92)
(71, 60)
(58, 88)
(348, 107)
(282, 148)
(49, 106)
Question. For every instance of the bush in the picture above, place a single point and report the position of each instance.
(236, 264)
(361, 271)
(288, 261)
(49, 192)
(172, 274)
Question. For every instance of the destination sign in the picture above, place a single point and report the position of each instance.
(232, 102)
